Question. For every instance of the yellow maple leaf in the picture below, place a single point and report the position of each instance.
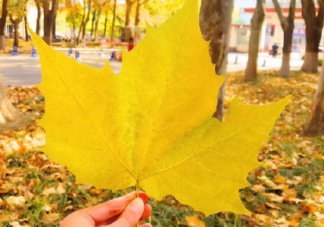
(151, 125)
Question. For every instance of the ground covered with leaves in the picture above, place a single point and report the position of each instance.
(287, 189)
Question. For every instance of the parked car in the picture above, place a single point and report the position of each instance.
(320, 52)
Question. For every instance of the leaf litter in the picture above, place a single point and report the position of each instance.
(287, 189)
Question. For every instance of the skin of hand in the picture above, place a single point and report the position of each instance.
(125, 211)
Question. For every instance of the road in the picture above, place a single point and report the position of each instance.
(24, 70)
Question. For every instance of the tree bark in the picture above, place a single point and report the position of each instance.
(254, 43)
(96, 35)
(54, 28)
(105, 27)
(137, 15)
(113, 22)
(47, 31)
(26, 30)
(129, 6)
(316, 123)
(314, 27)
(215, 24)
(287, 25)
(127, 31)
(50, 10)
(16, 33)
(39, 15)
(3, 18)
(93, 22)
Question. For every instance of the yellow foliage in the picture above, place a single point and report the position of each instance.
(151, 125)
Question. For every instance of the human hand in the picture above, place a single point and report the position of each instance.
(125, 211)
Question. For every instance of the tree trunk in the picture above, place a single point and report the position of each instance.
(26, 30)
(314, 26)
(254, 43)
(137, 15)
(80, 29)
(129, 5)
(215, 24)
(3, 24)
(54, 28)
(105, 28)
(287, 24)
(316, 123)
(47, 31)
(285, 65)
(50, 10)
(127, 30)
(16, 33)
(84, 29)
(97, 25)
(113, 22)
(38, 20)
(93, 22)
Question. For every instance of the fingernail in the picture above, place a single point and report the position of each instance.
(144, 197)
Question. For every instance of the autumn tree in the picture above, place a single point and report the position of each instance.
(215, 24)
(100, 6)
(50, 8)
(16, 12)
(73, 17)
(316, 123)
(254, 43)
(87, 4)
(3, 19)
(314, 27)
(287, 25)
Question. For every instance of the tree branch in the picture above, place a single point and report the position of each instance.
(283, 20)
(320, 16)
(145, 1)
(292, 8)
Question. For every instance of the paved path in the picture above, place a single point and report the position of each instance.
(25, 70)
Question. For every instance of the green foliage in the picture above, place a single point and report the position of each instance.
(308, 222)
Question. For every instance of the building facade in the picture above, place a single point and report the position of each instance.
(272, 32)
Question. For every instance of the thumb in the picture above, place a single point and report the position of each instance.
(131, 214)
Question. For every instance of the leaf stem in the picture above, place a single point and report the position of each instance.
(137, 195)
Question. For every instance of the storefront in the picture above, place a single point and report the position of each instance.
(272, 32)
